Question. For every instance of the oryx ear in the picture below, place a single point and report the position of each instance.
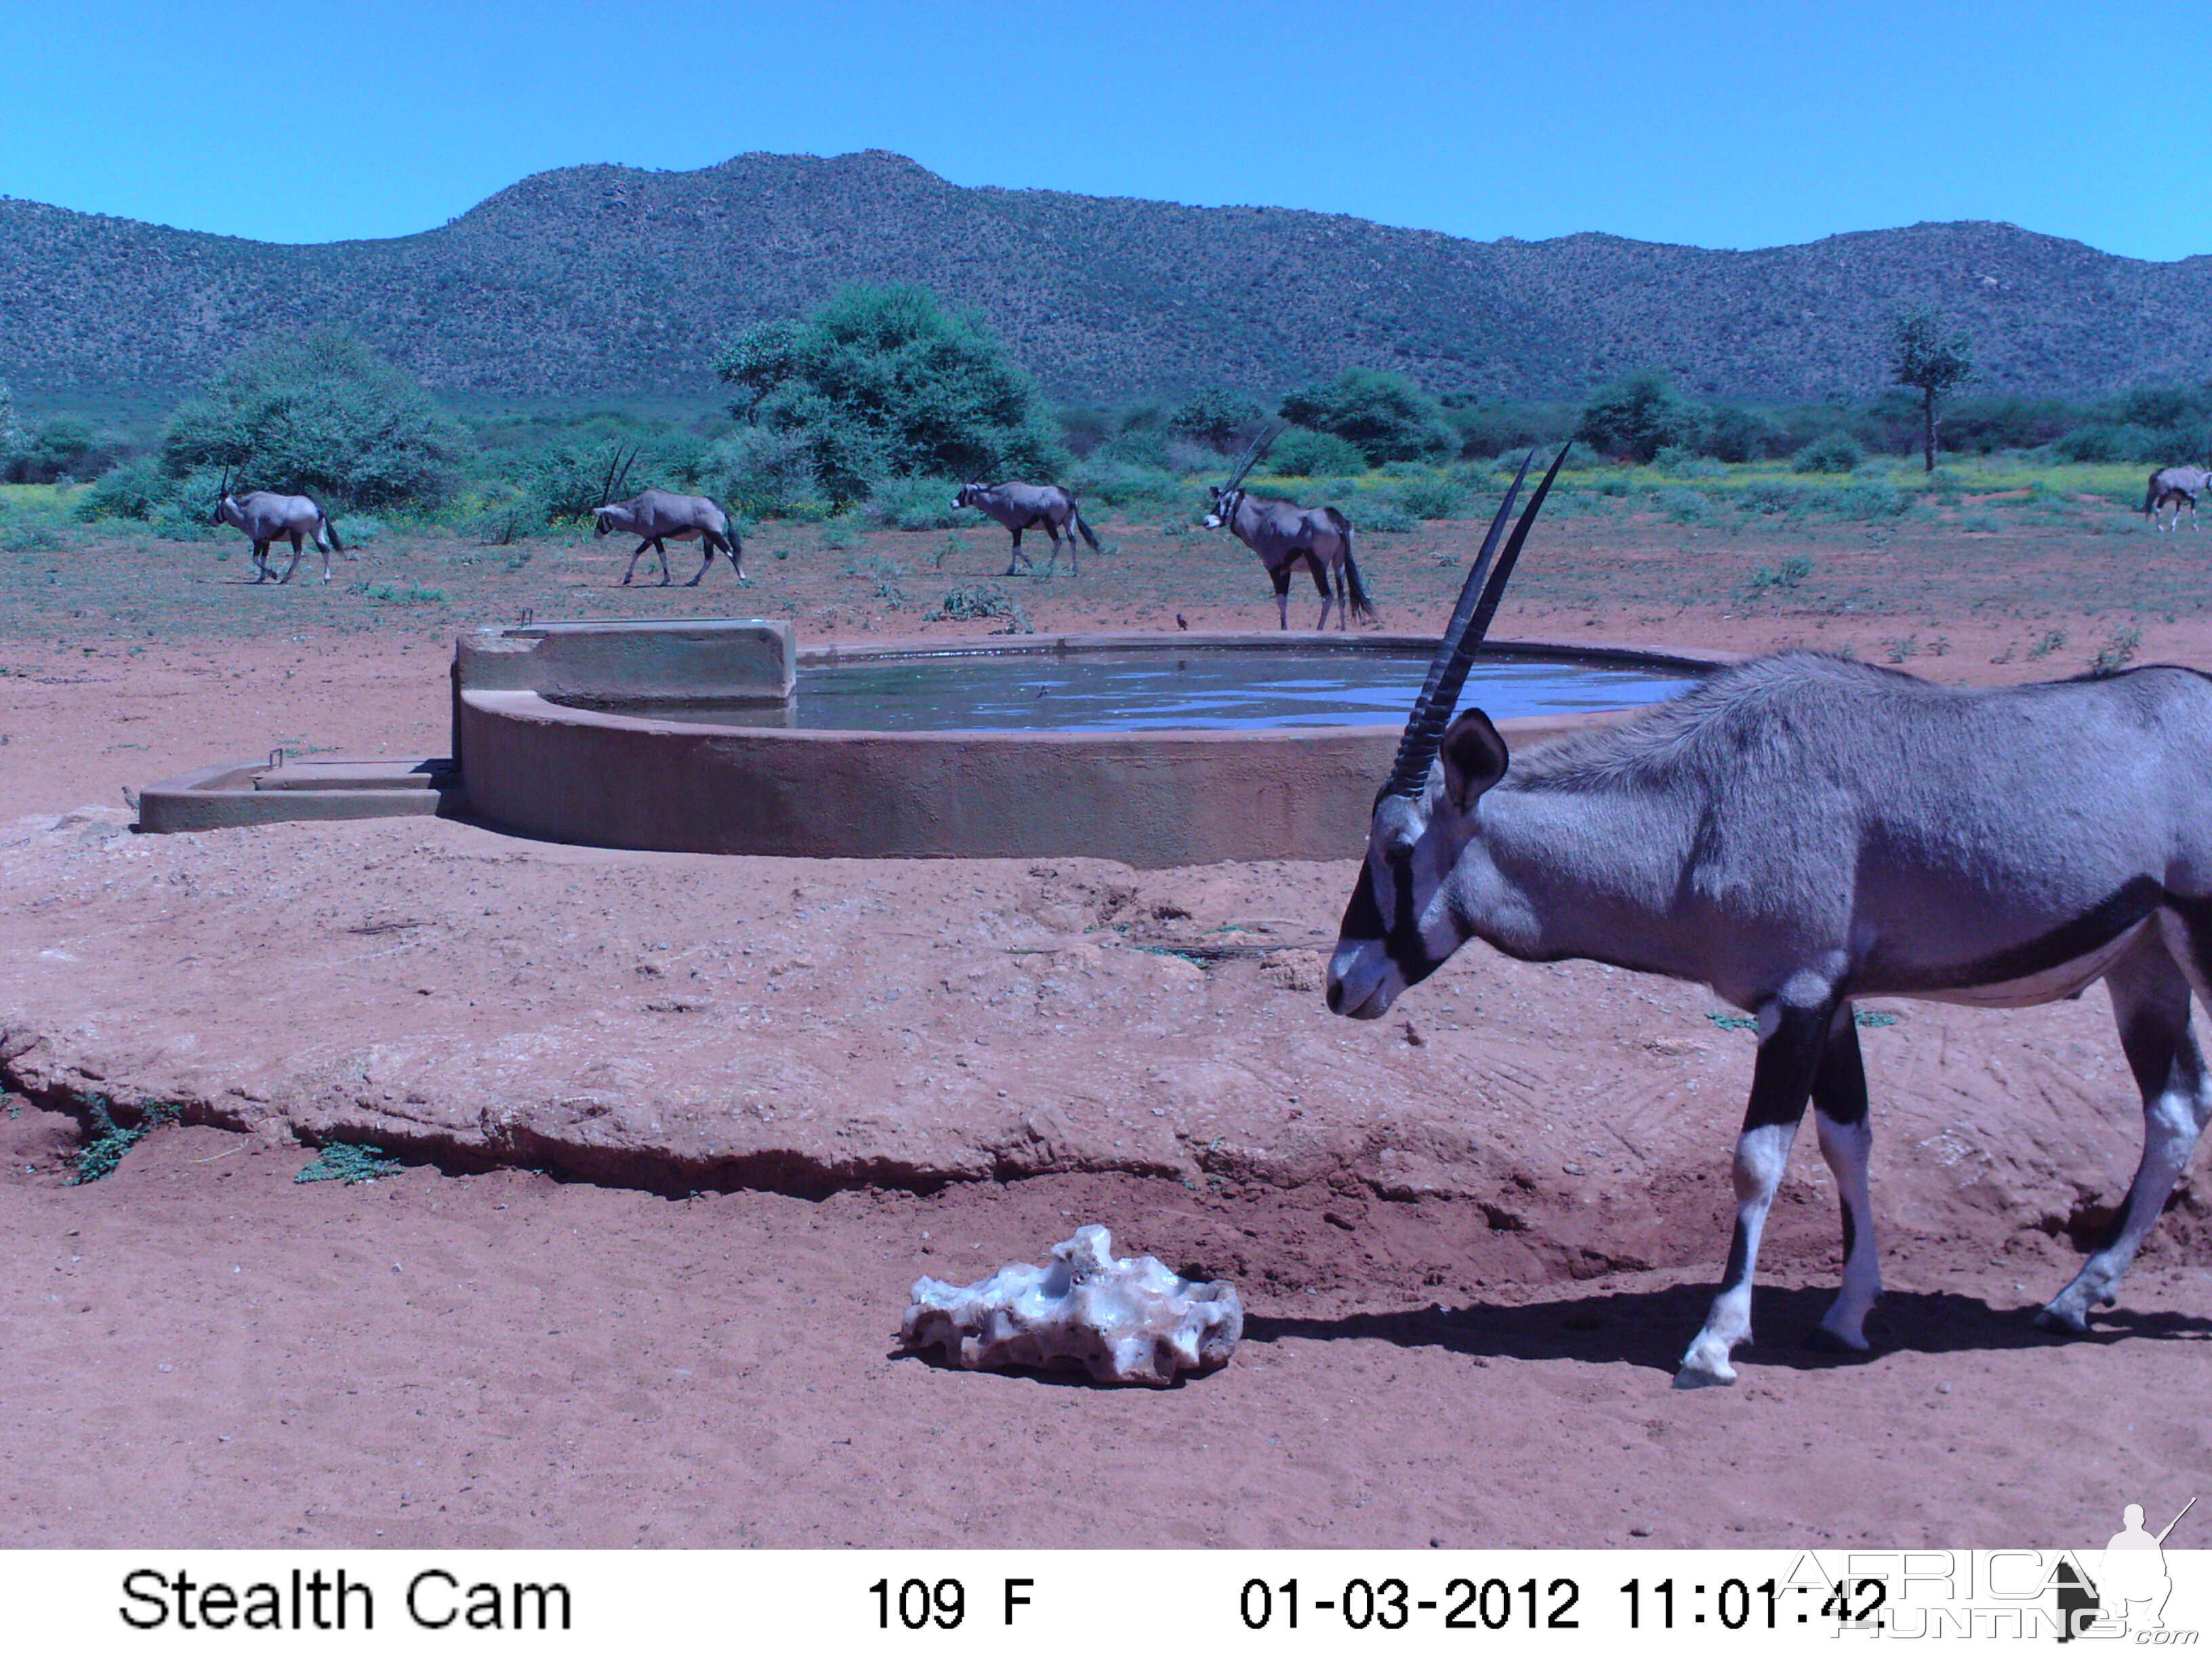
(1474, 757)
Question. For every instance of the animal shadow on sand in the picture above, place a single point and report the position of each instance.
(1650, 1328)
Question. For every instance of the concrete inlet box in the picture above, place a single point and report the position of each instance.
(732, 662)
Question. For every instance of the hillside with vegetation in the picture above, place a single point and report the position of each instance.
(613, 282)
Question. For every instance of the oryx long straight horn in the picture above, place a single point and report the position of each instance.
(1470, 621)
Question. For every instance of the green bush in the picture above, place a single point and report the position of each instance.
(1433, 495)
(1127, 486)
(885, 383)
(1837, 453)
(1637, 416)
(1772, 496)
(1217, 417)
(1387, 416)
(180, 508)
(1301, 452)
(58, 451)
(1731, 434)
(917, 504)
(321, 414)
(759, 473)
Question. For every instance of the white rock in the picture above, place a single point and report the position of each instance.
(1131, 1321)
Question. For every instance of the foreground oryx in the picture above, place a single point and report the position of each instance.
(2171, 486)
(1801, 830)
(1022, 507)
(267, 518)
(1283, 533)
(660, 517)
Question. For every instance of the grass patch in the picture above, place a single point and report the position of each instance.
(413, 593)
(980, 601)
(341, 1161)
(98, 1157)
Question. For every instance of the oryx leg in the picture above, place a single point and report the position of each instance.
(709, 543)
(635, 557)
(1053, 530)
(260, 563)
(1792, 1041)
(661, 547)
(1839, 1114)
(1281, 578)
(1019, 558)
(1320, 580)
(324, 547)
(2150, 985)
(297, 542)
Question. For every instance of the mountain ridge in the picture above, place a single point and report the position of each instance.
(606, 280)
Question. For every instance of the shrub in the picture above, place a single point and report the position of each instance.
(917, 504)
(1301, 452)
(982, 600)
(882, 382)
(1216, 416)
(1742, 435)
(58, 450)
(759, 473)
(1637, 416)
(180, 508)
(1127, 486)
(320, 413)
(1387, 416)
(1837, 453)
(1433, 496)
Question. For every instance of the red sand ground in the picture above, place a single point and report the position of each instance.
(1470, 1260)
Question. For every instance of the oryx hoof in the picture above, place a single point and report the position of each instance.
(2065, 1322)
(1691, 1377)
(1821, 1339)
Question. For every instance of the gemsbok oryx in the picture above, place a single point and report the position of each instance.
(267, 518)
(1800, 830)
(659, 516)
(2171, 486)
(1284, 533)
(1022, 507)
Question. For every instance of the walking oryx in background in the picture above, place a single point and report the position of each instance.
(1022, 507)
(267, 518)
(2171, 486)
(1801, 830)
(1283, 533)
(659, 517)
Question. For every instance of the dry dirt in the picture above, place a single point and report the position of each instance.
(683, 1130)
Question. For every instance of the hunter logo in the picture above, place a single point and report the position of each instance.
(2128, 1594)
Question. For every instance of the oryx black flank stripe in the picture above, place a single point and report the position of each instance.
(2100, 924)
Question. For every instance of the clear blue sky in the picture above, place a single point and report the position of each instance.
(1726, 125)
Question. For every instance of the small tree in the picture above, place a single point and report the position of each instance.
(1215, 416)
(1922, 358)
(1388, 416)
(884, 383)
(757, 360)
(1638, 416)
(321, 412)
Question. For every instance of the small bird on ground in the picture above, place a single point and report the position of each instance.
(1181, 623)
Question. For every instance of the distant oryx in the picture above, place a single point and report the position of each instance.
(267, 518)
(1801, 830)
(2171, 486)
(1282, 533)
(661, 517)
(1022, 507)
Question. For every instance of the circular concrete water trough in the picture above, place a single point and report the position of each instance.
(684, 736)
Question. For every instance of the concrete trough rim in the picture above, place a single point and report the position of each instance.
(1149, 797)
(1693, 663)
